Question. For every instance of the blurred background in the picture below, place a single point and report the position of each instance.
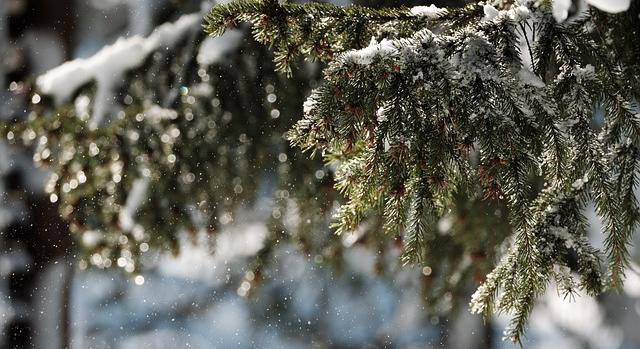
(201, 296)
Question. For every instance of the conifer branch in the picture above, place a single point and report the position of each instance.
(419, 103)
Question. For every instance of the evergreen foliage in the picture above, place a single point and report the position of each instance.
(501, 106)
(459, 139)
(190, 146)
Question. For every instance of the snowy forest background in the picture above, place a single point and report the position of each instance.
(198, 298)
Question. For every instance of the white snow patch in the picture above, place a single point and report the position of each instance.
(381, 114)
(163, 338)
(560, 10)
(214, 49)
(375, 49)
(197, 262)
(585, 73)
(108, 66)
(135, 198)
(309, 104)
(611, 6)
(578, 184)
(520, 13)
(490, 12)
(516, 13)
(582, 317)
(430, 12)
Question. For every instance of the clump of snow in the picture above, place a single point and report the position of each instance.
(381, 114)
(521, 12)
(108, 66)
(516, 13)
(578, 184)
(309, 104)
(430, 12)
(169, 34)
(156, 113)
(611, 6)
(560, 9)
(134, 200)
(375, 49)
(585, 73)
(213, 49)
(490, 12)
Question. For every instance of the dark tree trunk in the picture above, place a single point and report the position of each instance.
(38, 232)
(44, 238)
